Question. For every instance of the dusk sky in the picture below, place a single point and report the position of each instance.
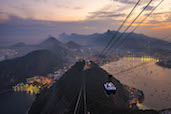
(32, 21)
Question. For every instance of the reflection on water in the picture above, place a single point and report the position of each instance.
(15, 102)
(141, 106)
(152, 79)
(143, 58)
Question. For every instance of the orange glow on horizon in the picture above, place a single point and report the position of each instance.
(162, 27)
(148, 24)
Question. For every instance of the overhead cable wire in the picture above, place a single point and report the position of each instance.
(120, 27)
(128, 27)
(137, 26)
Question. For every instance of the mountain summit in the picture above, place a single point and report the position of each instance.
(53, 45)
(73, 45)
(51, 41)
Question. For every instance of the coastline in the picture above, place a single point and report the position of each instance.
(152, 79)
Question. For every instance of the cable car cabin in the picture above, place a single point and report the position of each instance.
(110, 88)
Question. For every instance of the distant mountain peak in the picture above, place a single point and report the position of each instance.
(73, 34)
(19, 44)
(51, 39)
(72, 44)
(63, 35)
(53, 44)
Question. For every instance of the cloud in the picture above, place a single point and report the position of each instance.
(157, 14)
(77, 8)
(126, 1)
(168, 18)
(162, 27)
(100, 12)
(105, 14)
(116, 15)
(31, 31)
(41, 1)
(161, 17)
(87, 27)
(67, 6)
(148, 8)
(3, 17)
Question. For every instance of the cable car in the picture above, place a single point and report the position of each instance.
(110, 88)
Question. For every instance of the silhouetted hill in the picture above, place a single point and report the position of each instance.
(61, 98)
(78, 38)
(38, 62)
(51, 41)
(135, 42)
(53, 45)
(18, 45)
(72, 45)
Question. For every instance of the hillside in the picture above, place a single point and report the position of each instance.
(61, 98)
(52, 44)
(38, 62)
(51, 41)
(78, 38)
(72, 45)
(135, 42)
